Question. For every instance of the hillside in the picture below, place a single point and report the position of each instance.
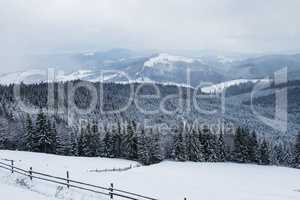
(117, 96)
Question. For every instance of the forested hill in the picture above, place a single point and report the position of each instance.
(172, 106)
(205, 133)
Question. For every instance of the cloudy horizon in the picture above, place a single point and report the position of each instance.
(34, 26)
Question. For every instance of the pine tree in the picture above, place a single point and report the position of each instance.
(264, 153)
(196, 152)
(6, 144)
(211, 148)
(221, 149)
(155, 147)
(94, 141)
(84, 142)
(55, 144)
(30, 136)
(81, 144)
(252, 148)
(188, 142)
(42, 131)
(117, 137)
(89, 152)
(240, 146)
(74, 144)
(288, 156)
(143, 152)
(210, 145)
(130, 141)
(180, 147)
(296, 152)
(101, 145)
(109, 144)
(278, 155)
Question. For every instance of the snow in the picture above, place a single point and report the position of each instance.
(80, 74)
(225, 60)
(147, 80)
(89, 53)
(18, 77)
(167, 180)
(36, 76)
(12, 192)
(103, 77)
(167, 59)
(220, 87)
(46, 162)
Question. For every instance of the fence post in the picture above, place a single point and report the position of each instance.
(30, 173)
(12, 166)
(111, 191)
(68, 181)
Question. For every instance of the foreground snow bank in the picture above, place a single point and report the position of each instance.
(12, 192)
(167, 180)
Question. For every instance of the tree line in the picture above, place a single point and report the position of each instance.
(148, 146)
(205, 146)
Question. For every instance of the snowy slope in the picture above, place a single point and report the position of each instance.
(167, 180)
(30, 76)
(220, 87)
(163, 68)
(81, 74)
(13, 192)
(167, 59)
(225, 60)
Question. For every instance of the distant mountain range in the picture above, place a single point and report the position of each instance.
(122, 65)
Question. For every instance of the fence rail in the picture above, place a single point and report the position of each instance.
(107, 191)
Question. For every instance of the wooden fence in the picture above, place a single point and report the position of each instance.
(115, 169)
(111, 192)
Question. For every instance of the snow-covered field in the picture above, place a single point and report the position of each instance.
(167, 180)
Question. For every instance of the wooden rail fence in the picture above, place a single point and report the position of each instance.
(111, 192)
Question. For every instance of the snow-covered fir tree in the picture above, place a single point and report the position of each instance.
(117, 138)
(94, 144)
(109, 144)
(130, 141)
(30, 136)
(180, 153)
(264, 153)
(252, 147)
(43, 133)
(221, 149)
(241, 145)
(209, 142)
(296, 152)
(74, 144)
(52, 132)
(143, 150)
(84, 143)
(155, 147)
(196, 152)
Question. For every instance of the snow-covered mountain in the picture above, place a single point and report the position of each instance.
(121, 65)
(162, 68)
(29, 76)
(265, 66)
(167, 59)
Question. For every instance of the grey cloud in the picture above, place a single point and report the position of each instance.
(35, 26)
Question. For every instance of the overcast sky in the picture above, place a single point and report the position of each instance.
(49, 26)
